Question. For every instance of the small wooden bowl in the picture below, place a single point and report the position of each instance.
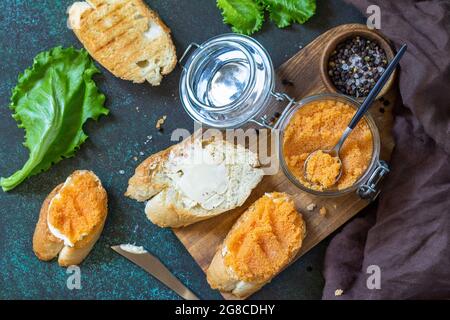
(362, 31)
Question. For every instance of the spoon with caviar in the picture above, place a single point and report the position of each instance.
(330, 159)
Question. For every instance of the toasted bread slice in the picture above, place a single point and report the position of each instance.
(45, 245)
(126, 37)
(71, 219)
(194, 180)
(263, 241)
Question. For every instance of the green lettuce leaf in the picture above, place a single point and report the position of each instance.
(52, 101)
(244, 16)
(284, 12)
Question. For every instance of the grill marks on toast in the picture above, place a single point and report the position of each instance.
(113, 31)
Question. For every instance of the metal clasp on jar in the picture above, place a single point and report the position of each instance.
(273, 122)
(186, 53)
(371, 188)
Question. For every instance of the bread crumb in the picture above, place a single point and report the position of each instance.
(135, 158)
(338, 292)
(323, 211)
(160, 122)
(311, 206)
(149, 138)
(122, 172)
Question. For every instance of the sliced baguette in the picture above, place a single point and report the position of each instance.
(126, 37)
(224, 276)
(47, 245)
(159, 180)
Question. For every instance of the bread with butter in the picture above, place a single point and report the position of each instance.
(264, 240)
(194, 180)
(71, 219)
(126, 37)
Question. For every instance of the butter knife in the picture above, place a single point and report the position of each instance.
(151, 264)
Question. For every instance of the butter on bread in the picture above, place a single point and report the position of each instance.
(194, 180)
(126, 37)
(264, 240)
(71, 219)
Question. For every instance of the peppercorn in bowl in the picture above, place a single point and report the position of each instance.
(353, 62)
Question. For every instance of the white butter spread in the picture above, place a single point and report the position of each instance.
(204, 183)
(243, 286)
(201, 177)
(224, 251)
(59, 235)
(53, 230)
(132, 248)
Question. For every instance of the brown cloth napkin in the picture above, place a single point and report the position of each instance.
(408, 234)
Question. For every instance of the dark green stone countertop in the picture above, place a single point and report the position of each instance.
(28, 27)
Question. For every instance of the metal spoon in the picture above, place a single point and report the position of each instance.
(334, 152)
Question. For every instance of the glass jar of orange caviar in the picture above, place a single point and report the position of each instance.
(316, 123)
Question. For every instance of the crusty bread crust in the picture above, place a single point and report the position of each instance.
(163, 214)
(114, 33)
(146, 181)
(168, 215)
(47, 247)
(76, 254)
(223, 278)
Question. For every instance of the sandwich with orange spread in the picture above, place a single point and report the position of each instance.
(264, 240)
(71, 219)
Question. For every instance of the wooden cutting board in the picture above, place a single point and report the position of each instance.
(298, 77)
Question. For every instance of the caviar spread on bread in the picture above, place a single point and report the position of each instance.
(263, 241)
(71, 219)
(78, 208)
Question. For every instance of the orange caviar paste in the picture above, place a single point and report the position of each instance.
(322, 169)
(319, 126)
(265, 238)
(79, 206)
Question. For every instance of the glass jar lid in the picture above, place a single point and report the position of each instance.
(226, 80)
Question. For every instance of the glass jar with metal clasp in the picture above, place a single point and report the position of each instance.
(229, 82)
